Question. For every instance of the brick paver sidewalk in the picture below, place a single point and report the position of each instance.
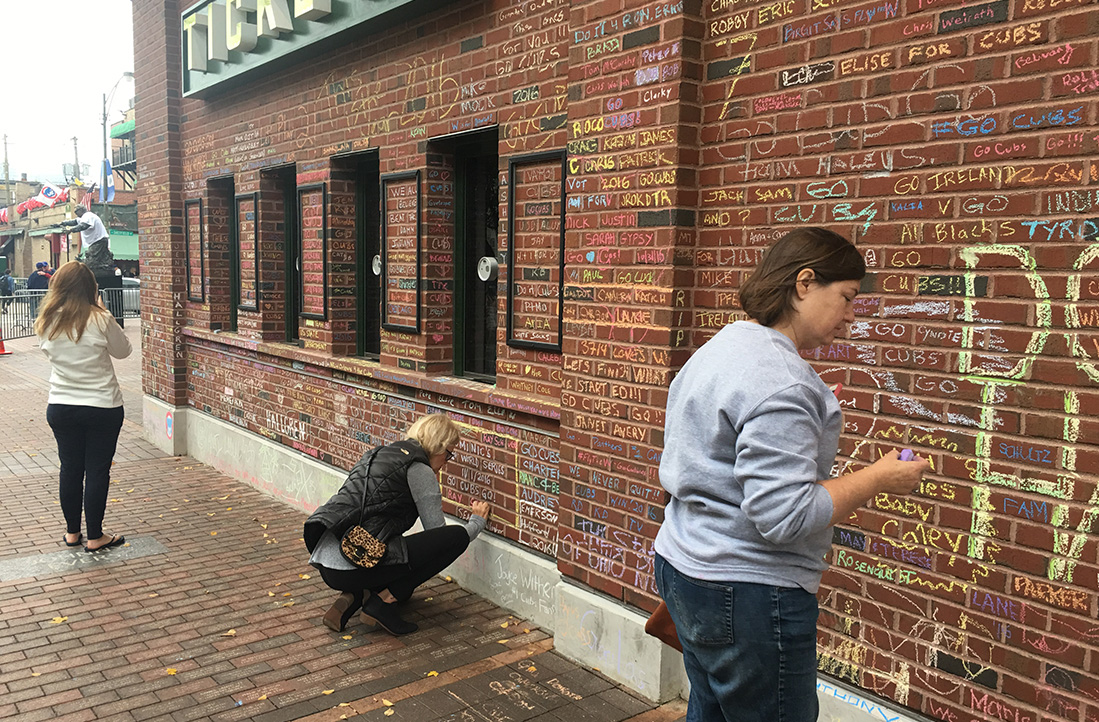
(211, 612)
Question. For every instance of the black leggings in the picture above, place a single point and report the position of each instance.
(86, 440)
(429, 552)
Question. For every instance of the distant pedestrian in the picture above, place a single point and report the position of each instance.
(37, 282)
(7, 289)
(79, 337)
(384, 494)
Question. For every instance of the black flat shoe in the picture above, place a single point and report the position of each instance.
(342, 610)
(386, 616)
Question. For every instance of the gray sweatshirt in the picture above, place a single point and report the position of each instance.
(424, 486)
(750, 430)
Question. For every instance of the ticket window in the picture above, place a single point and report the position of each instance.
(476, 164)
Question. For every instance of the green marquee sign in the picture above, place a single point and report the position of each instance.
(234, 40)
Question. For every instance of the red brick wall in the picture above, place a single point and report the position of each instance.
(952, 142)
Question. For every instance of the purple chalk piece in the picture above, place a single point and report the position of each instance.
(907, 455)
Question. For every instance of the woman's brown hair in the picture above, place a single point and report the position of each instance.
(767, 295)
(72, 298)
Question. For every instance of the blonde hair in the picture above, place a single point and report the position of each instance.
(435, 432)
(72, 298)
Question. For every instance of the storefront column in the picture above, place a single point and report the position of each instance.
(160, 220)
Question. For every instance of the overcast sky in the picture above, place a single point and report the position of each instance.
(61, 57)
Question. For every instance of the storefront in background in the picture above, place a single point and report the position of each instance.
(528, 214)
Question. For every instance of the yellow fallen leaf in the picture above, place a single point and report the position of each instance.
(526, 631)
(388, 713)
(270, 594)
(171, 671)
(261, 698)
(289, 604)
(504, 625)
(36, 674)
(532, 668)
(210, 513)
(448, 579)
(287, 594)
(116, 500)
(131, 491)
(230, 633)
(501, 641)
(387, 703)
(344, 704)
(187, 468)
(59, 620)
(303, 576)
(347, 636)
(154, 594)
(433, 673)
(428, 599)
(213, 533)
(223, 498)
(263, 526)
(228, 508)
(343, 716)
(328, 691)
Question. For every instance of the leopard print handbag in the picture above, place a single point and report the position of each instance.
(361, 548)
(358, 545)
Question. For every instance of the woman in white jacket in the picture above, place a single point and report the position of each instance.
(79, 337)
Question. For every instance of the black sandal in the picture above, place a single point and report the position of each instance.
(386, 615)
(116, 540)
(342, 610)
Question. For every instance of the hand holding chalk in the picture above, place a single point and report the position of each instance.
(907, 455)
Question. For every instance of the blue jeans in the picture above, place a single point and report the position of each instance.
(750, 649)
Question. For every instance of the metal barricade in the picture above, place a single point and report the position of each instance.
(122, 302)
(18, 312)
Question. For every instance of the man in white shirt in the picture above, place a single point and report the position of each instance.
(94, 242)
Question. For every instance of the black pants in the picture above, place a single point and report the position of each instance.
(429, 552)
(86, 440)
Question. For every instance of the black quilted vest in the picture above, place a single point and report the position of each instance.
(390, 508)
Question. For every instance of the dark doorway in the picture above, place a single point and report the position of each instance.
(368, 246)
(287, 184)
(221, 219)
(476, 172)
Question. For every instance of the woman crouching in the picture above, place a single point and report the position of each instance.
(384, 494)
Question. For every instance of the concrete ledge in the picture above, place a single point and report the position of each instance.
(840, 703)
(587, 627)
(610, 637)
(165, 425)
(289, 475)
(510, 577)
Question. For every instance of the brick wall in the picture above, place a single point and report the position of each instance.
(952, 142)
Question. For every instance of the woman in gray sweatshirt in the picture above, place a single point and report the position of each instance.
(750, 439)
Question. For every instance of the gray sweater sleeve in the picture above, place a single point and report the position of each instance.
(429, 501)
(777, 452)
